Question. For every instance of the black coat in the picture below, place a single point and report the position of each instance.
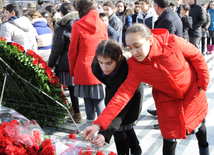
(187, 23)
(171, 21)
(199, 18)
(132, 110)
(61, 42)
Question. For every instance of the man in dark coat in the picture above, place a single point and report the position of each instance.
(168, 19)
(178, 6)
(199, 18)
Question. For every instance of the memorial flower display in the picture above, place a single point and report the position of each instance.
(27, 138)
(31, 67)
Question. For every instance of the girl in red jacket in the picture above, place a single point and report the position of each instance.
(179, 75)
(86, 34)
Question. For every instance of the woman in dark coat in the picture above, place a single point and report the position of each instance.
(59, 53)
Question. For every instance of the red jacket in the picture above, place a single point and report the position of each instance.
(86, 34)
(175, 69)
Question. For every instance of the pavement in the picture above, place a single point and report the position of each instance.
(150, 139)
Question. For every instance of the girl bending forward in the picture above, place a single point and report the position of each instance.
(179, 75)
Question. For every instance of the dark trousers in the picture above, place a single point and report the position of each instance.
(74, 99)
(195, 41)
(125, 140)
(208, 41)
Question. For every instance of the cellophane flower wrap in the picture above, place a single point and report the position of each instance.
(18, 135)
(68, 146)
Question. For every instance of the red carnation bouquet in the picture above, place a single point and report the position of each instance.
(18, 139)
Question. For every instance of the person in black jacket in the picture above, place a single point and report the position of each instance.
(111, 68)
(178, 6)
(59, 53)
(168, 19)
(199, 18)
(137, 10)
(186, 20)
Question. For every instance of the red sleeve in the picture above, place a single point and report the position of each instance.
(197, 60)
(119, 101)
(73, 48)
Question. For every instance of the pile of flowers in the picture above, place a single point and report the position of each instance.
(20, 142)
(19, 139)
(34, 69)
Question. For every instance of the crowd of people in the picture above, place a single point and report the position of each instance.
(86, 45)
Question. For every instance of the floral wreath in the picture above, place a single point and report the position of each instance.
(35, 71)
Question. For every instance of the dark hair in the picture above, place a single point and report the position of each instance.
(137, 2)
(102, 15)
(185, 6)
(209, 4)
(51, 9)
(141, 29)
(109, 4)
(45, 14)
(74, 5)
(66, 8)
(162, 3)
(171, 4)
(123, 5)
(109, 48)
(84, 6)
(16, 7)
(40, 2)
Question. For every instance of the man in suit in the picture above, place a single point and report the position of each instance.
(178, 6)
(168, 19)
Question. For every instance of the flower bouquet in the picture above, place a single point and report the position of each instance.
(27, 139)
(69, 145)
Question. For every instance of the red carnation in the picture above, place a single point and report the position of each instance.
(49, 72)
(42, 64)
(71, 136)
(4, 124)
(46, 142)
(35, 61)
(14, 122)
(30, 52)
(3, 39)
(80, 152)
(20, 48)
(88, 151)
(112, 153)
(34, 148)
(48, 150)
(20, 150)
(10, 150)
(64, 101)
(100, 153)
(14, 44)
